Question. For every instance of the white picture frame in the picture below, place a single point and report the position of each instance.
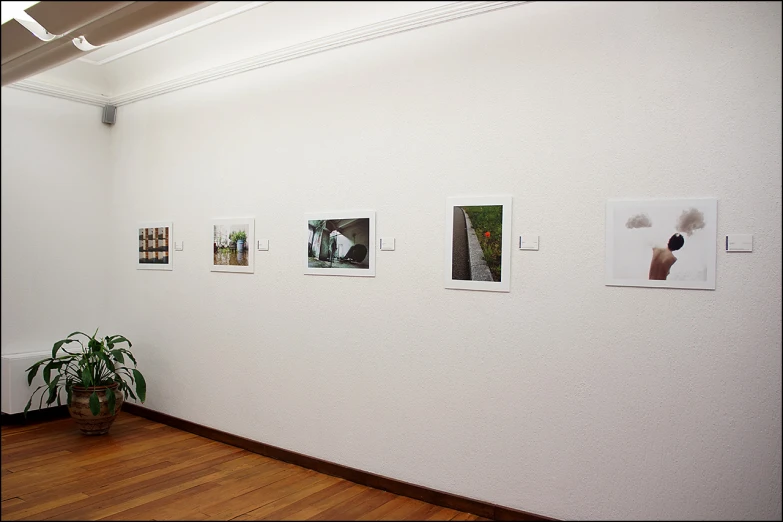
(346, 234)
(155, 245)
(225, 255)
(643, 248)
(466, 266)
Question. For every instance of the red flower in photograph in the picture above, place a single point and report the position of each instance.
(487, 234)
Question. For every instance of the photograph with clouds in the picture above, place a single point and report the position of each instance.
(668, 243)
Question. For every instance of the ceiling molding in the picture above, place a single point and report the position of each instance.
(410, 22)
(180, 32)
(66, 93)
(438, 15)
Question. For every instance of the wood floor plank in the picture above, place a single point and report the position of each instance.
(295, 501)
(313, 500)
(272, 488)
(12, 502)
(82, 483)
(41, 479)
(55, 433)
(355, 506)
(443, 514)
(109, 507)
(222, 492)
(221, 496)
(174, 452)
(319, 506)
(245, 462)
(384, 509)
(144, 470)
(135, 488)
(24, 482)
(25, 509)
(103, 449)
(166, 508)
(194, 515)
(404, 510)
(50, 457)
(422, 513)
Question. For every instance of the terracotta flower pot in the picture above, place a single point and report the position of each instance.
(79, 408)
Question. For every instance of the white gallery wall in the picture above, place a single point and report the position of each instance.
(55, 235)
(563, 397)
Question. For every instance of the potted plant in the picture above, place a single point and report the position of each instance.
(94, 379)
(239, 237)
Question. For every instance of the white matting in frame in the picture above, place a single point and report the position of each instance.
(476, 258)
(662, 243)
(340, 243)
(232, 242)
(155, 240)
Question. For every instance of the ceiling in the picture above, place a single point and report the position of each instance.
(230, 37)
(190, 22)
(46, 34)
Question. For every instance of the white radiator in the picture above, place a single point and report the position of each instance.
(15, 391)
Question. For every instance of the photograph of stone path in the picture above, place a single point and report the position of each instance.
(477, 234)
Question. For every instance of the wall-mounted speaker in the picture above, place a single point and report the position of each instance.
(109, 114)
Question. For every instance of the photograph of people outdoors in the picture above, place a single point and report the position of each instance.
(341, 244)
(478, 250)
(661, 243)
(232, 245)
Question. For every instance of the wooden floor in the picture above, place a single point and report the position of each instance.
(144, 470)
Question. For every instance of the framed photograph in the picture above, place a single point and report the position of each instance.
(341, 243)
(662, 243)
(233, 245)
(478, 243)
(155, 241)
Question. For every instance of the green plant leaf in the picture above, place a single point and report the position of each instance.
(95, 404)
(118, 355)
(74, 333)
(94, 345)
(40, 403)
(58, 344)
(141, 385)
(130, 355)
(47, 371)
(111, 400)
(72, 354)
(53, 391)
(127, 389)
(107, 362)
(128, 373)
(32, 371)
(30, 402)
(86, 377)
(121, 339)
